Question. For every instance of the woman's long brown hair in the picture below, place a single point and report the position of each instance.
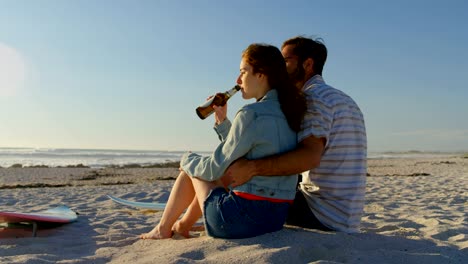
(267, 59)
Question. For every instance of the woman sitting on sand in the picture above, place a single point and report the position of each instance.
(260, 129)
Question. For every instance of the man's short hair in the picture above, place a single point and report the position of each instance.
(305, 48)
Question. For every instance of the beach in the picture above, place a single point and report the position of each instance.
(415, 212)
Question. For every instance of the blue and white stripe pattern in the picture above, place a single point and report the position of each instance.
(335, 190)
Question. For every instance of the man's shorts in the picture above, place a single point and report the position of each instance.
(301, 215)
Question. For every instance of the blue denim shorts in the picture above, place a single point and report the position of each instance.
(230, 216)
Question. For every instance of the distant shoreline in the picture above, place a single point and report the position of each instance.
(414, 154)
(134, 162)
(207, 151)
(172, 164)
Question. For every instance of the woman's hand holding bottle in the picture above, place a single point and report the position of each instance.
(220, 113)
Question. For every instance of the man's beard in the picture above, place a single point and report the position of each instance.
(298, 74)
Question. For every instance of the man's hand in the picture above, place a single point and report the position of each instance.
(238, 173)
(305, 157)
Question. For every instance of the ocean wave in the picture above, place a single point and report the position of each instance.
(88, 157)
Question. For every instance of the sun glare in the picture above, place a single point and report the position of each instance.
(12, 70)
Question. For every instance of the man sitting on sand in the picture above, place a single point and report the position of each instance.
(332, 148)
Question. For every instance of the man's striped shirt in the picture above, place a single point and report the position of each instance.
(335, 190)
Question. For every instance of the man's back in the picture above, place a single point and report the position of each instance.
(335, 190)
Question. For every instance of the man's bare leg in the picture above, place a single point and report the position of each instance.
(181, 196)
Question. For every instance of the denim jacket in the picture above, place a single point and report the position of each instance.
(259, 129)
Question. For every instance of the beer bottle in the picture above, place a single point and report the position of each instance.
(220, 99)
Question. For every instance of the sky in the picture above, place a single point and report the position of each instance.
(115, 74)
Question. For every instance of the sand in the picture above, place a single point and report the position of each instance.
(416, 212)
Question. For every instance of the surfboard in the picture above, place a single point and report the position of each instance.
(54, 216)
(60, 215)
(141, 205)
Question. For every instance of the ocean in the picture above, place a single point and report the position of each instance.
(94, 158)
(98, 158)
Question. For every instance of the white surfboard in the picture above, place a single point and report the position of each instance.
(141, 205)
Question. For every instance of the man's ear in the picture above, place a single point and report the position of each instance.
(308, 65)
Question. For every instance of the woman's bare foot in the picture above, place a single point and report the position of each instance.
(180, 229)
(184, 230)
(157, 233)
